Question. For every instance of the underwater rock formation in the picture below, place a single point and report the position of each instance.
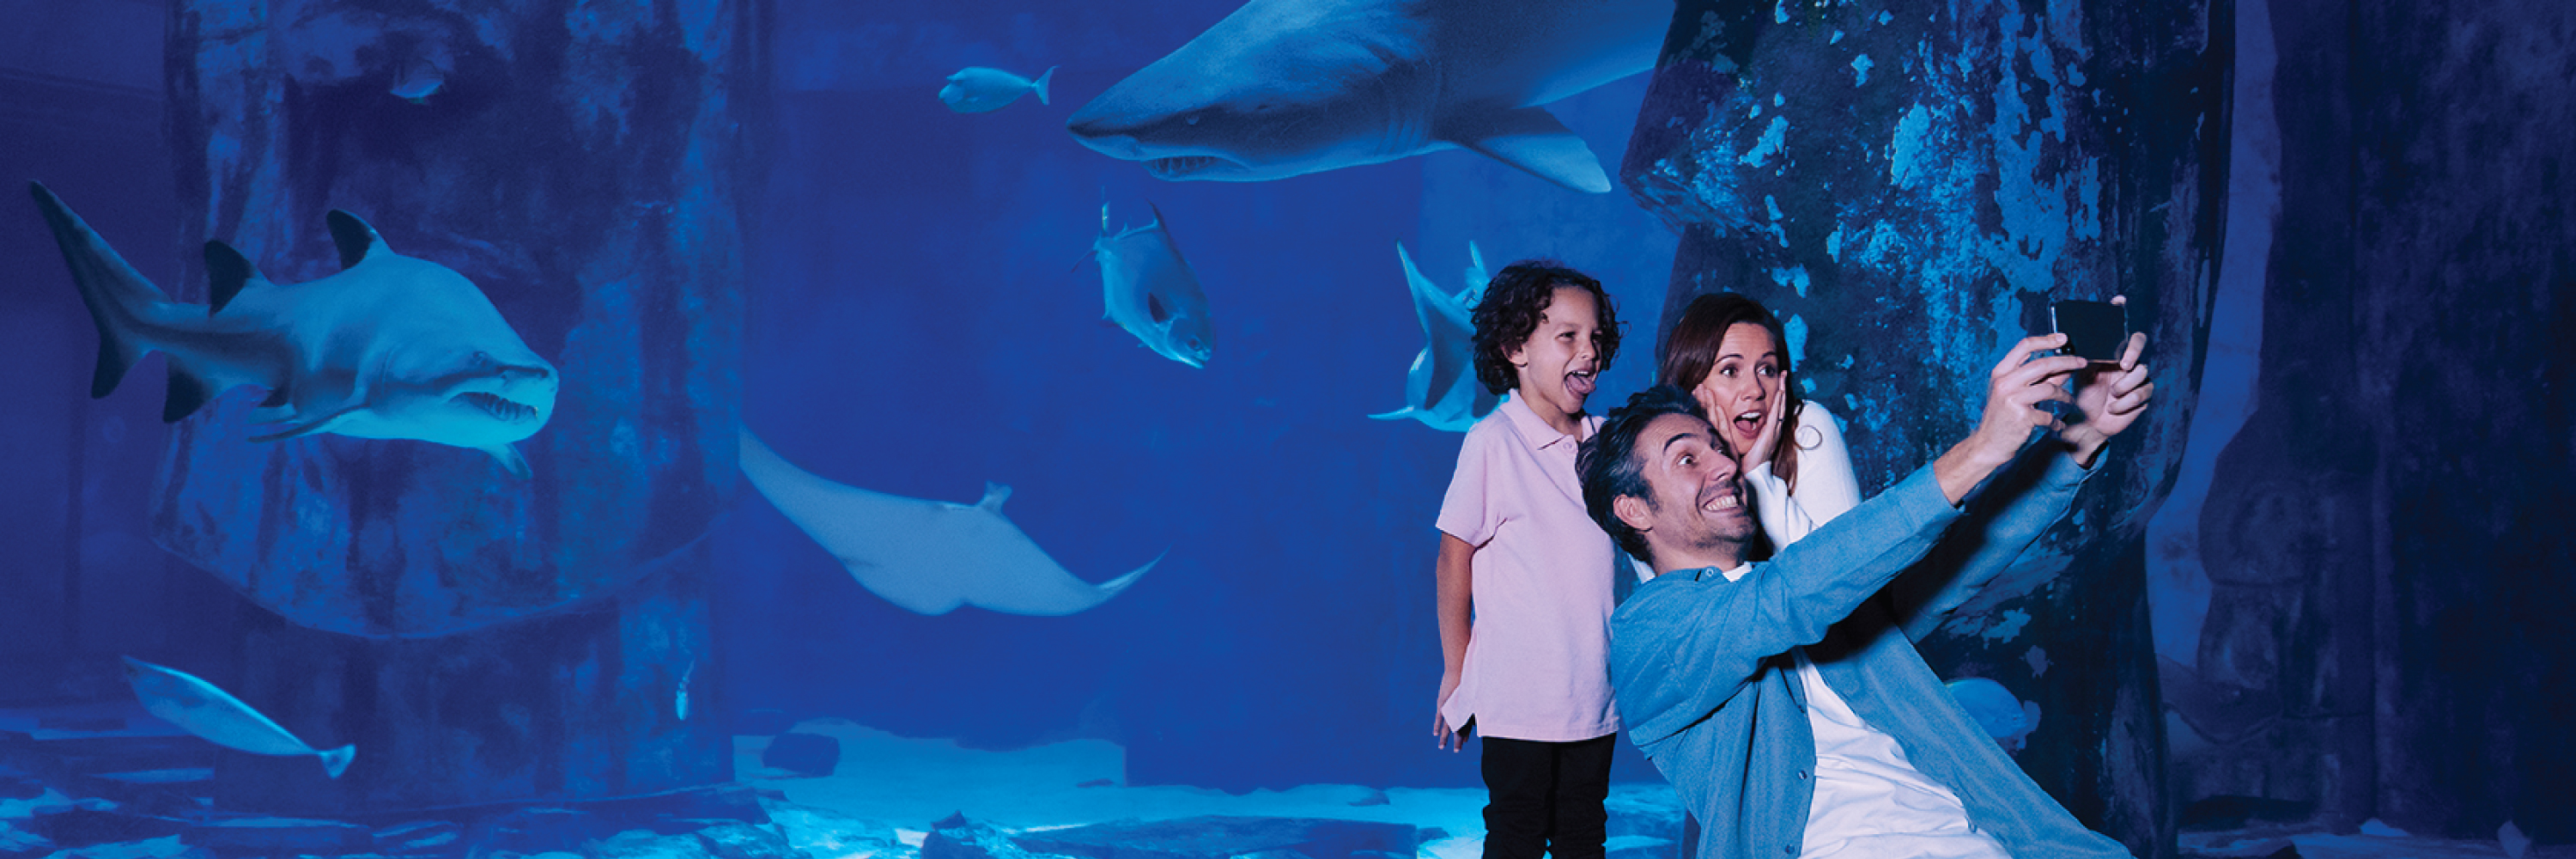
(2385, 540)
(1908, 187)
(576, 162)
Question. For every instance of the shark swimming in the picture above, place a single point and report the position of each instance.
(1148, 289)
(391, 347)
(1287, 87)
(214, 715)
(1441, 389)
(928, 557)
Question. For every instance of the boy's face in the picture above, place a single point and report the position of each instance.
(1558, 361)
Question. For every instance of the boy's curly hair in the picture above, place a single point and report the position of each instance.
(1510, 310)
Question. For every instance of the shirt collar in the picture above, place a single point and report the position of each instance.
(1535, 430)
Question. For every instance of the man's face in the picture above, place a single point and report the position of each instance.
(1698, 506)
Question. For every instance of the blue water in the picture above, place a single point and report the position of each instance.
(918, 326)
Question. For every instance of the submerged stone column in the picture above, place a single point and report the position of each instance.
(478, 636)
(1908, 186)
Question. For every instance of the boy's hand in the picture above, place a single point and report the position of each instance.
(1441, 733)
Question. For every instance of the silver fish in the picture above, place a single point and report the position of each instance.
(199, 708)
(1148, 289)
(976, 89)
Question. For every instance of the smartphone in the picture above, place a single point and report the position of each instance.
(2095, 330)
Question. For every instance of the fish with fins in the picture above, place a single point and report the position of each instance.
(391, 347)
(928, 557)
(1148, 289)
(976, 89)
(214, 715)
(1441, 389)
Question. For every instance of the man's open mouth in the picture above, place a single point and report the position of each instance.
(500, 408)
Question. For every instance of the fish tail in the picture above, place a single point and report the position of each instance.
(1041, 84)
(336, 761)
(115, 293)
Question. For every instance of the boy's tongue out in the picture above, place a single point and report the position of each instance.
(1579, 384)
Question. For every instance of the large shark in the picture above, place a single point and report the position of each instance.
(1441, 390)
(928, 557)
(200, 708)
(1148, 289)
(1287, 87)
(390, 347)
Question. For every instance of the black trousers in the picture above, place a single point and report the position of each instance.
(1546, 798)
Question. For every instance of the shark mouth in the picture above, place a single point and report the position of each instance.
(1182, 166)
(500, 408)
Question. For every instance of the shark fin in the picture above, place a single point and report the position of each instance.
(355, 239)
(188, 393)
(1041, 84)
(994, 495)
(336, 761)
(1531, 139)
(320, 424)
(510, 459)
(227, 273)
(110, 286)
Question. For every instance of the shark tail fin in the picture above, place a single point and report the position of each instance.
(115, 293)
(336, 761)
(227, 274)
(1041, 84)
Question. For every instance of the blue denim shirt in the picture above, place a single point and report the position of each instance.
(1703, 675)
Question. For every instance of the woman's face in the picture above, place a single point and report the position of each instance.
(1741, 386)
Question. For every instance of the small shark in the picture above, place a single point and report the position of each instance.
(1287, 87)
(390, 347)
(976, 89)
(928, 557)
(199, 708)
(1148, 289)
(1441, 390)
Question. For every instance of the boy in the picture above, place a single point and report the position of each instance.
(1519, 555)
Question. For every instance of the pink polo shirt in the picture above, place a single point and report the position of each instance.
(1538, 657)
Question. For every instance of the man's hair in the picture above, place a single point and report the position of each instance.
(1608, 466)
(1510, 310)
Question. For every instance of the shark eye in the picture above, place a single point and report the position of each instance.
(1192, 119)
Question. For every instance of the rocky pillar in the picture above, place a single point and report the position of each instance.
(1908, 186)
(478, 636)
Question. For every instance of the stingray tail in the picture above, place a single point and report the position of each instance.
(1397, 415)
(1111, 587)
(1041, 84)
(336, 761)
(116, 294)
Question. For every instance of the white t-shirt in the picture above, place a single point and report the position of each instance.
(1869, 800)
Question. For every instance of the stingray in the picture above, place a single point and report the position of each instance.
(928, 557)
(390, 347)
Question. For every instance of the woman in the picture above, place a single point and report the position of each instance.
(1731, 354)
